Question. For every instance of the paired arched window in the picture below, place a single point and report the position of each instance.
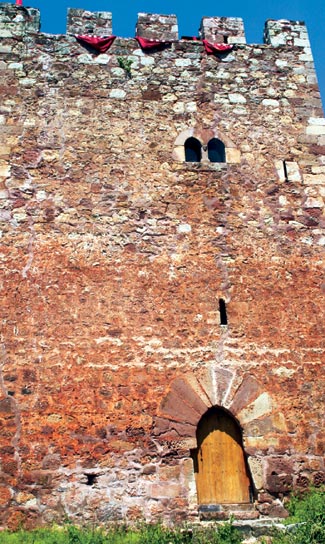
(215, 149)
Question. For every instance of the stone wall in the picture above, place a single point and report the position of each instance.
(115, 253)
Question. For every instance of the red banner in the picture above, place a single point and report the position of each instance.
(212, 48)
(146, 44)
(100, 43)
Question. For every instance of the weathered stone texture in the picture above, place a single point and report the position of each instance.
(223, 30)
(157, 27)
(86, 22)
(115, 253)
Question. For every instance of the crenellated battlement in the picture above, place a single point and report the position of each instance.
(18, 20)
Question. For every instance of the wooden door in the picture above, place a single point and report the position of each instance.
(221, 471)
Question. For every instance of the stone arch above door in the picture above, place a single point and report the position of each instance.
(191, 395)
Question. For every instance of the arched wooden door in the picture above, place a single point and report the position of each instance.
(222, 475)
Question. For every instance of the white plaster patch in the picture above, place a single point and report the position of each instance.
(85, 59)
(240, 111)
(190, 107)
(281, 63)
(236, 98)
(315, 129)
(147, 61)
(41, 195)
(183, 62)
(184, 228)
(179, 107)
(102, 59)
(313, 203)
(117, 93)
(119, 72)
(15, 65)
(316, 120)
(110, 339)
(284, 371)
(4, 170)
(198, 318)
(270, 102)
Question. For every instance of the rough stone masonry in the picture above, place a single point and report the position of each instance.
(116, 253)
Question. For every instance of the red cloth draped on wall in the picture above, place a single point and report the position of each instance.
(146, 44)
(212, 48)
(100, 43)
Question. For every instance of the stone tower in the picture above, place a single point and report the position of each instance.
(162, 301)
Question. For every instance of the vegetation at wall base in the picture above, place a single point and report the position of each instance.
(306, 525)
(144, 534)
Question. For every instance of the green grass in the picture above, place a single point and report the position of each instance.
(307, 512)
(144, 534)
(68, 535)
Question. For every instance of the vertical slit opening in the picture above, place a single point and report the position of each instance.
(225, 39)
(285, 170)
(223, 312)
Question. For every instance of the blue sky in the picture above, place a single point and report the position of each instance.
(190, 12)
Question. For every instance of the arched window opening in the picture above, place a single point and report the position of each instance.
(193, 152)
(216, 150)
(221, 470)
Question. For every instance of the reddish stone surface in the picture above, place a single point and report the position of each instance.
(115, 253)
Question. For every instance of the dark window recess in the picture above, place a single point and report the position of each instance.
(216, 151)
(285, 171)
(193, 150)
(91, 479)
(225, 39)
(223, 312)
